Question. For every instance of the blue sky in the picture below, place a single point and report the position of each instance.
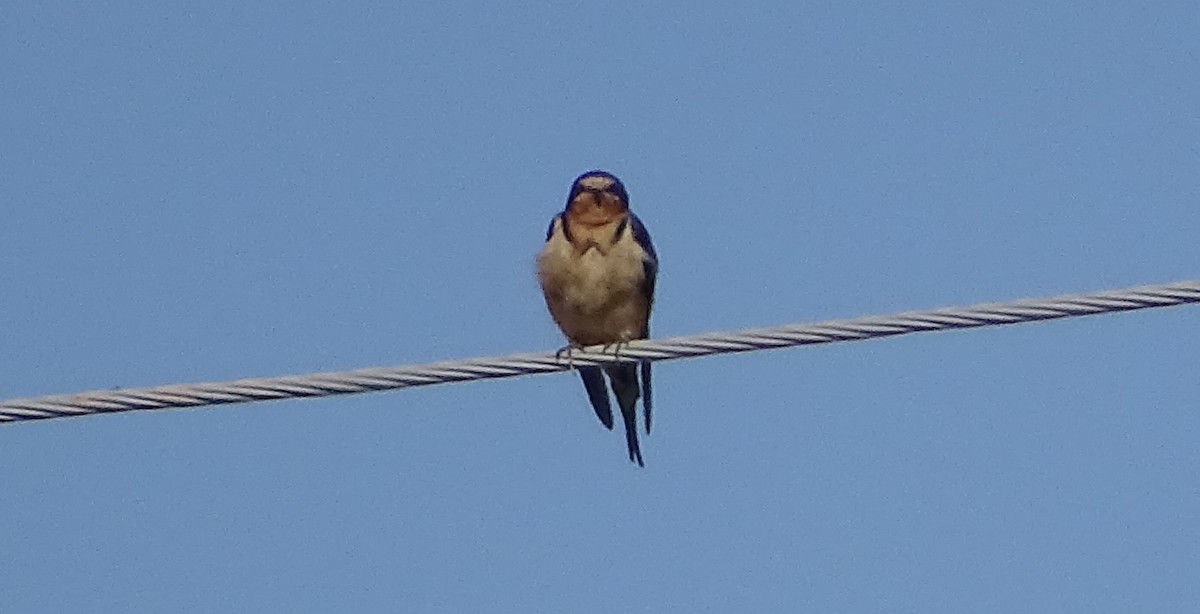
(210, 191)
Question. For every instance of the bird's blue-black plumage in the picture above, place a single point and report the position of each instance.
(593, 383)
(624, 378)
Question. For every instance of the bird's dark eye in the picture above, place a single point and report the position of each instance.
(618, 192)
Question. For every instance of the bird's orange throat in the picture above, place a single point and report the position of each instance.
(593, 209)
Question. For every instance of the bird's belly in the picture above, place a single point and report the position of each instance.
(596, 299)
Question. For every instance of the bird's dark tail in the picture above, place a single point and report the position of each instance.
(625, 386)
(593, 382)
(646, 396)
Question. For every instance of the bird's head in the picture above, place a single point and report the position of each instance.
(597, 198)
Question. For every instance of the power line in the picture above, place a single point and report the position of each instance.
(388, 378)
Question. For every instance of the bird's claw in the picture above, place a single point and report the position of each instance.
(616, 347)
(568, 350)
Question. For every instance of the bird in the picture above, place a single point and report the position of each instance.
(597, 270)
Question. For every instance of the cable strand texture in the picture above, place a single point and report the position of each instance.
(390, 378)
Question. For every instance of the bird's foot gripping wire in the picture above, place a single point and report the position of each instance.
(567, 350)
(615, 347)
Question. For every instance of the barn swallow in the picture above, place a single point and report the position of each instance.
(597, 271)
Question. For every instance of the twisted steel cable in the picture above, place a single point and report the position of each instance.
(388, 378)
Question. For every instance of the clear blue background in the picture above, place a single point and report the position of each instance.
(206, 191)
